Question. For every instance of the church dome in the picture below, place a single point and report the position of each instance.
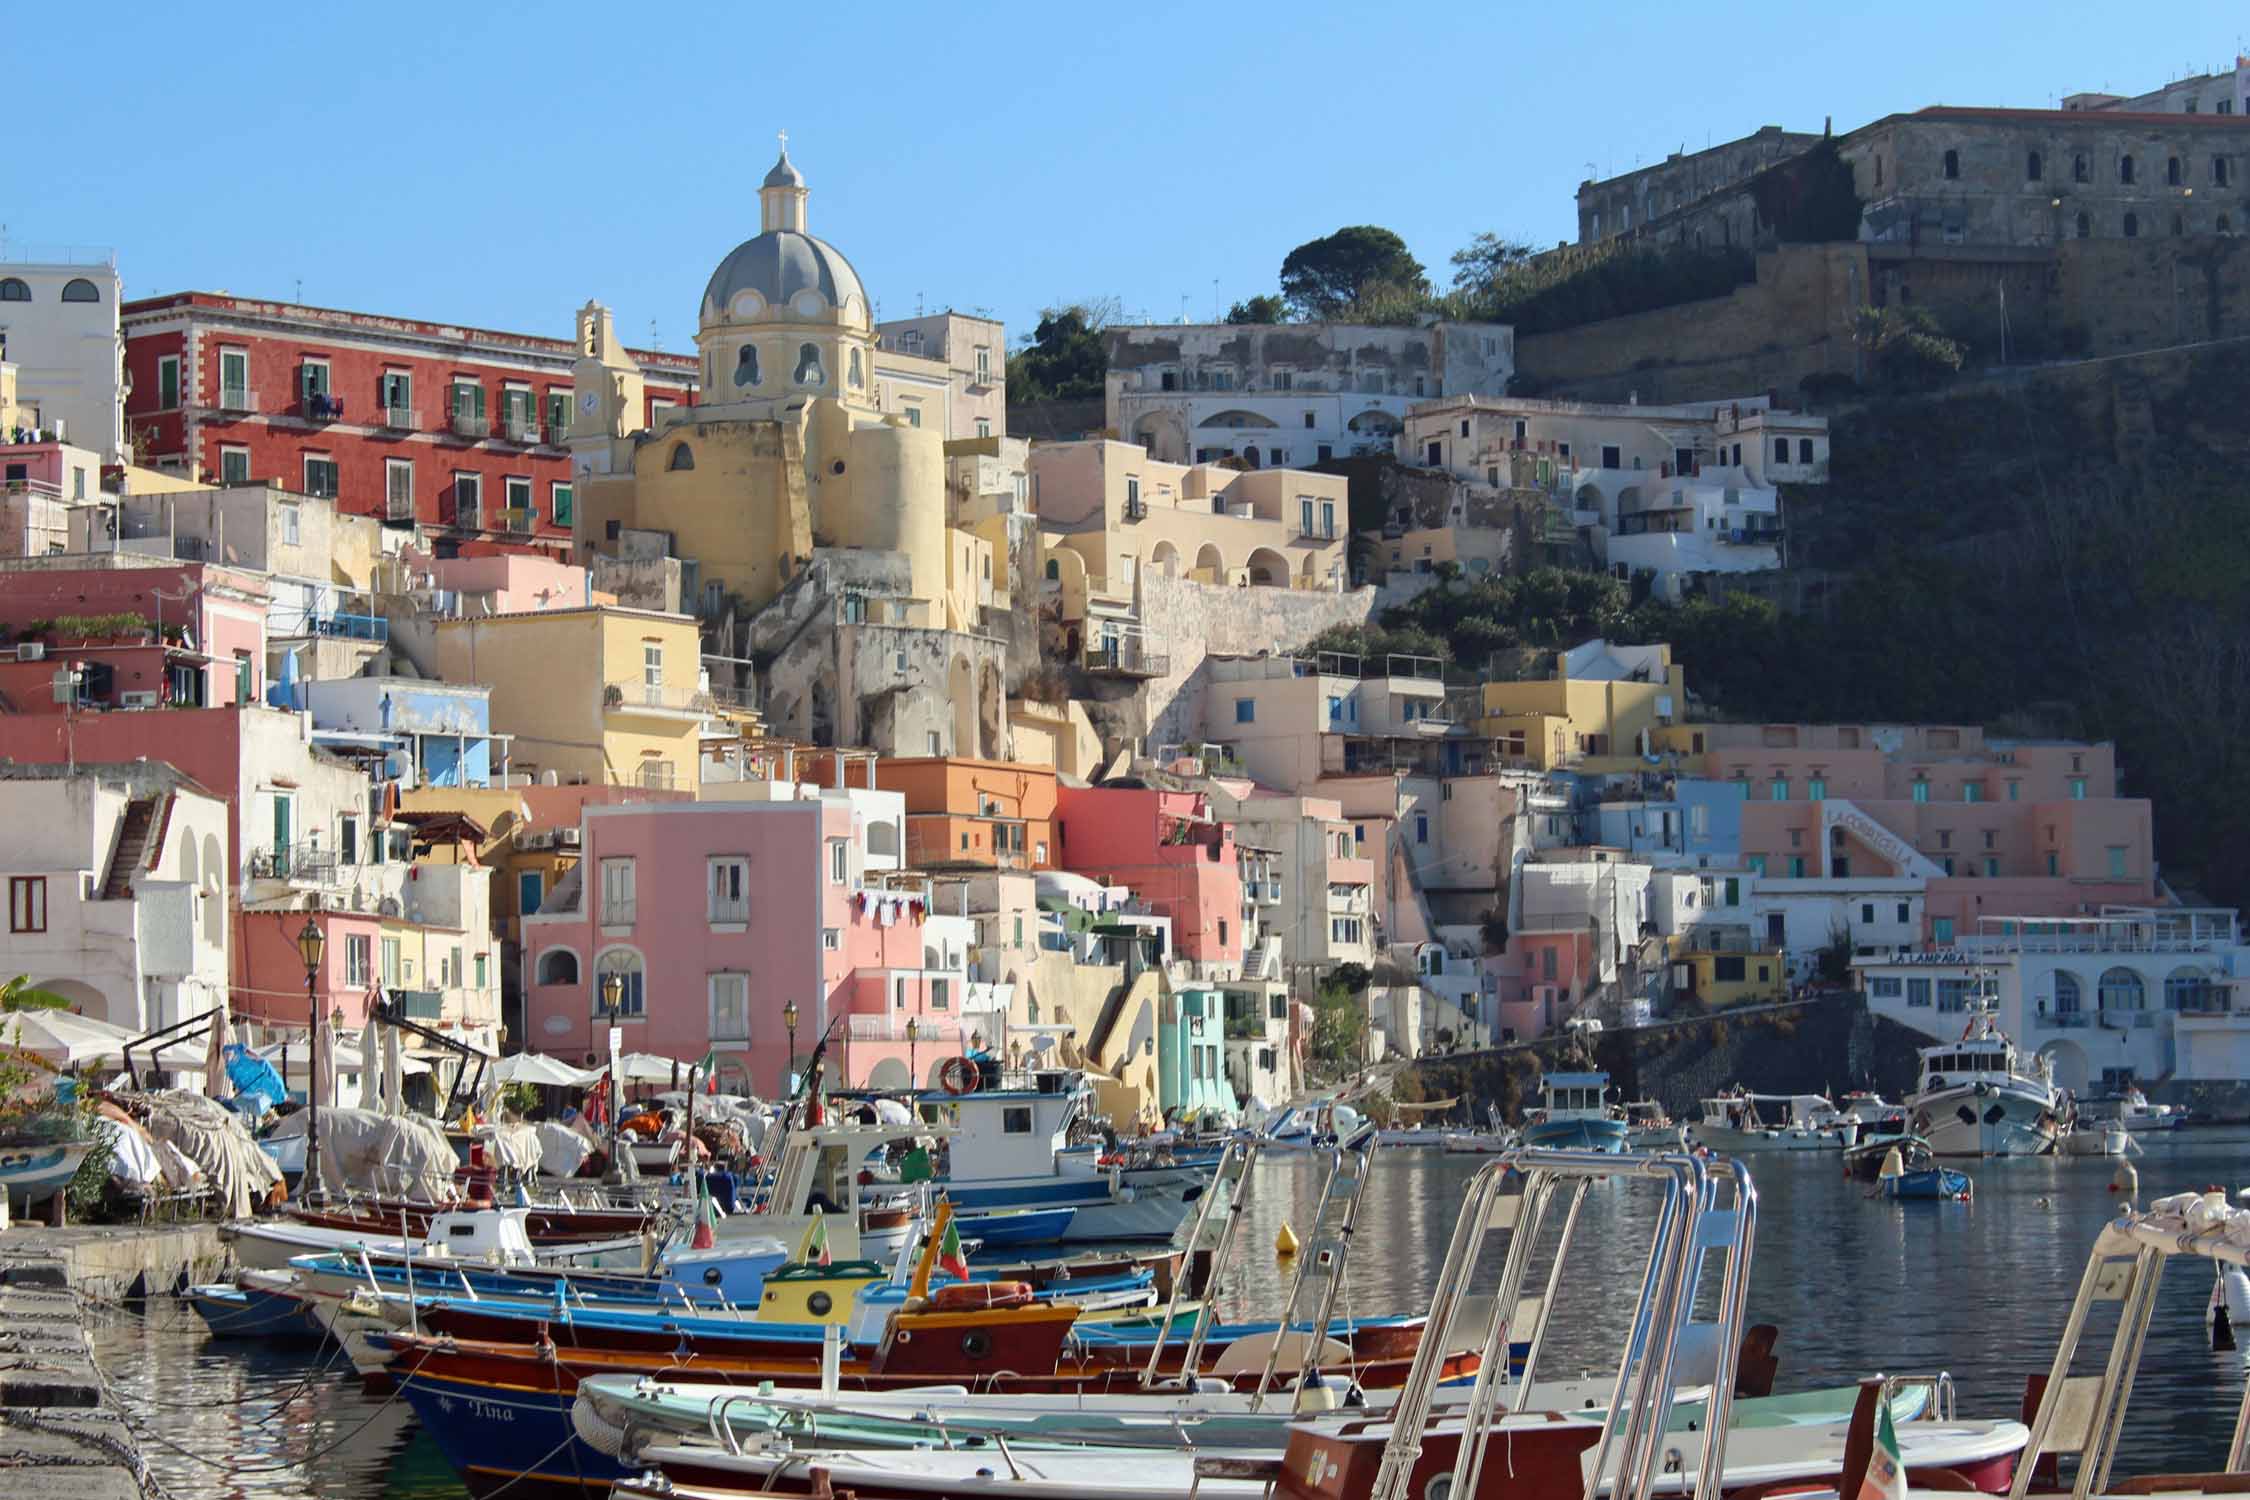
(784, 262)
(777, 265)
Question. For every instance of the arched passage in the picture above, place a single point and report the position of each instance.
(890, 1073)
(1210, 564)
(2068, 1060)
(1164, 560)
(1269, 567)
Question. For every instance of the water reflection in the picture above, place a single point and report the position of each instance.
(1855, 1285)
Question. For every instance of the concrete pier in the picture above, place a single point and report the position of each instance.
(66, 1439)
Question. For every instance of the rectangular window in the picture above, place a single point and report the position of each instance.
(359, 960)
(1921, 791)
(291, 534)
(234, 379)
(1918, 992)
(1941, 929)
(480, 976)
(396, 393)
(518, 491)
(312, 380)
(1902, 912)
(558, 417)
(632, 997)
(468, 501)
(1327, 518)
(652, 664)
(1132, 495)
(320, 477)
(2117, 861)
(390, 961)
(836, 865)
(1804, 450)
(1612, 458)
(1953, 995)
(1972, 791)
(1245, 710)
(2077, 788)
(27, 903)
(398, 488)
(941, 994)
(1305, 515)
(467, 400)
(560, 502)
(620, 901)
(729, 888)
(531, 890)
(1885, 986)
(730, 1007)
(1816, 788)
(1781, 450)
(1796, 867)
(168, 383)
(1991, 868)
(1779, 790)
(831, 939)
(1015, 1119)
(1421, 828)
(234, 466)
(1867, 912)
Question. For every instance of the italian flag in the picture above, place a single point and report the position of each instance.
(706, 1218)
(814, 1251)
(1886, 1476)
(950, 1260)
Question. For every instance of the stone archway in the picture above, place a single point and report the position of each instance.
(1210, 564)
(2068, 1060)
(1269, 568)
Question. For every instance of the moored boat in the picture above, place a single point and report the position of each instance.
(1575, 1115)
(1977, 1098)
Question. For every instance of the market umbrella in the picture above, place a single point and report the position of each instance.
(371, 1079)
(394, 1072)
(537, 1067)
(62, 1037)
(646, 1067)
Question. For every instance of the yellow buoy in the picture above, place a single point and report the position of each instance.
(1285, 1243)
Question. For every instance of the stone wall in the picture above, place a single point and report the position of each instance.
(1188, 621)
(1816, 1046)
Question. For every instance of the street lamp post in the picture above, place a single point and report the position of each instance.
(312, 943)
(913, 1032)
(789, 1071)
(613, 1002)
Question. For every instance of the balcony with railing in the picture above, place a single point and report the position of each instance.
(638, 698)
(524, 430)
(319, 406)
(471, 425)
(339, 625)
(420, 1005)
(237, 398)
(1126, 656)
(398, 418)
(297, 864)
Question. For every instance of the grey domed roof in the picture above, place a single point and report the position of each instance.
(784, 173)
(779, 264)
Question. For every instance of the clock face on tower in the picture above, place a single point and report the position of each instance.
(588, 401)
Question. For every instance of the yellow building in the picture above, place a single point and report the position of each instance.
(1605, 707)
(597, 694)
(788, 448)
(1720, 980)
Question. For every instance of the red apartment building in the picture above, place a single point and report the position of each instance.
(458, 430)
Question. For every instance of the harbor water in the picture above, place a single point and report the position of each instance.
(1856, 1286)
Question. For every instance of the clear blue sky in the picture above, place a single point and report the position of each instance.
(497, 165)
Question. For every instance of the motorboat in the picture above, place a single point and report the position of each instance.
(1875, 1115)
(2094, 1138)
(1740, 1122)
(1575, 1115)
(1649, 1128)
(1931, 1184)
(2130, 1108)
(1976, 1098)
(1312, 1126)
(1866, 1160)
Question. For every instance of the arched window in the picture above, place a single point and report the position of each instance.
(2067, 996)
(1054, 571)
(746, 366)
(2085, 227)
(683, 457)
(632, 998)
(2078, 167)
(557, 966)
(2172, 171)
(1952, 165)
(79, 289)
(13, 290)
(2125, 169)
(2033, 167)
(2132, 226)
(2122, 990)
(2185, 987)
(809, 371)
(856, 377)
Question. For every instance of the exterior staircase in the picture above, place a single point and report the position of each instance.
(133, 835)
(1255, 962)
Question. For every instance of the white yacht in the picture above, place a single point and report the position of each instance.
(1976, 1098)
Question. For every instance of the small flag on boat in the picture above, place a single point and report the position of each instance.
(706, 1218)
(1886, 1476)
(814, 1251)
(950, 1260)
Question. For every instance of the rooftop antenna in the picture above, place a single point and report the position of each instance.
(1216, 313)
(300, 298)
(655, 340)
(917, 304)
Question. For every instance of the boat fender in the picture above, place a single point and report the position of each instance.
(2126, 1183)
(965, 1296)
(1983, 1089)
(2230, 1306)
(603, 1436)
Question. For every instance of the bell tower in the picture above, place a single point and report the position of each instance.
(607, 388)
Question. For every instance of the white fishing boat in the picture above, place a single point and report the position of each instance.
(1575, 1114)
(1976, 1098)
(1649, 1128)
(2132, 1110)
(2094, 1138)
(1742, 1122)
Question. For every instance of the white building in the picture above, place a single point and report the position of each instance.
(1277, 395)
(1670, 490)
(2135, 993)
(59, 328)
(117, 880)
(1879, 915)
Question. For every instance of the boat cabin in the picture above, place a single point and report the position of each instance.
(1576, 1095)
(496, 1236)
(1986, 1058)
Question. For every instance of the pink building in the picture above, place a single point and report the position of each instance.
(1168, 847)
(717, 916)
(1541, 979)
(188, 635)
(512, 580)
(2035, 826)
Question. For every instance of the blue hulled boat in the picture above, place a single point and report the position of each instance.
(1576, 1115)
